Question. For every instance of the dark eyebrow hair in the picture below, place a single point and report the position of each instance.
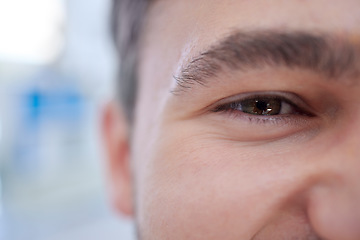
(326, 54)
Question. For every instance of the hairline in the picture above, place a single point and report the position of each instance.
(127, 20)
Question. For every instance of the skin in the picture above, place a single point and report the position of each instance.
(192, 173)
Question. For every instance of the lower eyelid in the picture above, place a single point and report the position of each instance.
(237, 114)
(271, 120)
(247, 128)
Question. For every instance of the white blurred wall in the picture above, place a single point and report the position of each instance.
(57, 68)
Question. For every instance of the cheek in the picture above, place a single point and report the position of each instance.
(210, 188)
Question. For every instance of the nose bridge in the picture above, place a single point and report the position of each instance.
(344, 153)
(333, 207)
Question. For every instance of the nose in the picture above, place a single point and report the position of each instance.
(334, 201)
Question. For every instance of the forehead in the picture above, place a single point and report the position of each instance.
(177, 30)
(171, 20)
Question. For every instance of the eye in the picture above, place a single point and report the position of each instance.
(263, 106)
(266, 105)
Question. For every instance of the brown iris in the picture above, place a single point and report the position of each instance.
(261, 106)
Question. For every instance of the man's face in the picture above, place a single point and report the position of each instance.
(248, 121)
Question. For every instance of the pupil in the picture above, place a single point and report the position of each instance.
(262, 105)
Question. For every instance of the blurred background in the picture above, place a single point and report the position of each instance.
(57, 68)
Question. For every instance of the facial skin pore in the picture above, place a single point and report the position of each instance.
(202, 168)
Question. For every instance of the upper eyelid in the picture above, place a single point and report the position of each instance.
(287, 96)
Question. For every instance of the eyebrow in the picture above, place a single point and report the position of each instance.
(329, 55)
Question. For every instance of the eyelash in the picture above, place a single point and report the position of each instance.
(232, 108)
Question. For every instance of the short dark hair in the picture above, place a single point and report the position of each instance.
(127, 18)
